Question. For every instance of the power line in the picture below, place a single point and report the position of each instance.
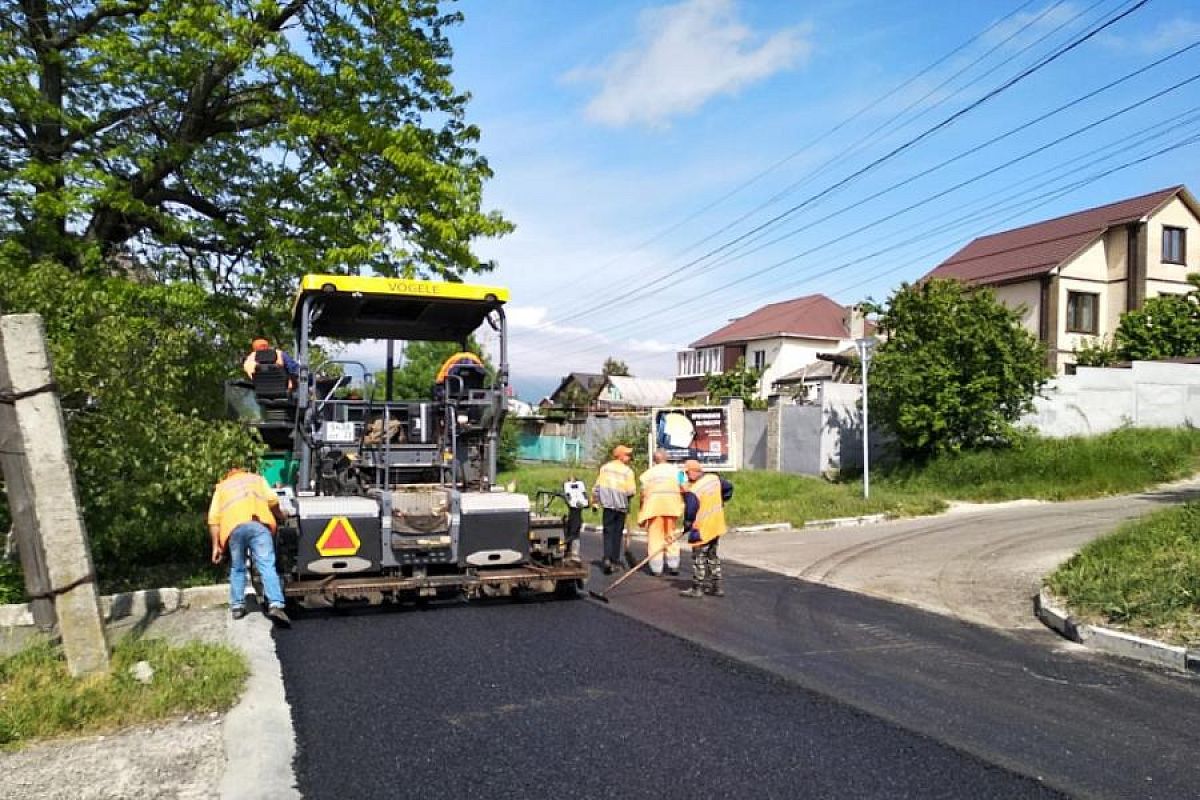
(925, 201)
(1188, 117)
(813, 174)
(949, 120)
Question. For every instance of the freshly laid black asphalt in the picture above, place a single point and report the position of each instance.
(571, 700)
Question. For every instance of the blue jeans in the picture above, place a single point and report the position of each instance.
(257, 537)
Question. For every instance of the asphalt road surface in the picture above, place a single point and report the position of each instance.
(980, 567)
(570, 699)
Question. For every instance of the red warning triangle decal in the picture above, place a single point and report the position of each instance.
(338, 539)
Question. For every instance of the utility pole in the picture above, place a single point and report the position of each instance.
(866, 346)
(41, 490)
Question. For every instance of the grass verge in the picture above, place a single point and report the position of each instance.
(39, 699)
(1143, 578)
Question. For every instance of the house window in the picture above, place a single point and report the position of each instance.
(700, 362)
(1174, 245)
(1083, 312)
(760, 359)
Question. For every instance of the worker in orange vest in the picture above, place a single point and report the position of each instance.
(261, 352)
(660, 509)
(243, 516)
(704, 524)
(613, 487)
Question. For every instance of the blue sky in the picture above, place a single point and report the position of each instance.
(673, 165)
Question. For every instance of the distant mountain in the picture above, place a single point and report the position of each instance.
(532, 388)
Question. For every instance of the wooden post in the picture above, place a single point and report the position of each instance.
(43, 488)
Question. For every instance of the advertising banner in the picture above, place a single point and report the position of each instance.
(699, 432)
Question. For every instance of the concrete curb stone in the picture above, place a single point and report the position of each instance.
(142, 603)
(842, 522)
(1111, 641)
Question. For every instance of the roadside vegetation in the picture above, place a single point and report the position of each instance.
(39, 699)
(1143, 578)
(1126, 460)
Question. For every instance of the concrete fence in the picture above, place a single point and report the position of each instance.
(825, 436)
(1150, 394)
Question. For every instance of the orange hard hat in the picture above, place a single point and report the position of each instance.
(259, 343)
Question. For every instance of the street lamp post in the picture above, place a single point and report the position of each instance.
(866, 346)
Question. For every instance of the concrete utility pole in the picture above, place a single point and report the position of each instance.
(865, 345)
(41, 490)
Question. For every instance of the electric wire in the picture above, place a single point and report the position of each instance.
(837, 158)
(1041, 63)
(854, 206)
(1189, 118)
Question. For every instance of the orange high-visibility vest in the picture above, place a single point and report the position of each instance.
(614, 485)
(454, 361)
(660, 493)
(710, 519)
(241, 497)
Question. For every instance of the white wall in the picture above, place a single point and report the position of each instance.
(1096, 400)
(788, 354)
(1027, 294)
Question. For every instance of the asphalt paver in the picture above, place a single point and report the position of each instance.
(569, 699)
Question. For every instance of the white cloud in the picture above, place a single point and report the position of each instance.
(1168, 36)
(683, 56)
(539, 318)
(1039, 22)
(654, 346)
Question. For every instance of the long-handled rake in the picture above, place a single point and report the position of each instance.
(603, 596)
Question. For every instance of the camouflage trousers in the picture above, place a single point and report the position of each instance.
(706, 566)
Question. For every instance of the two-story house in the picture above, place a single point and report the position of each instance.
(778, 338)
(1075, 275)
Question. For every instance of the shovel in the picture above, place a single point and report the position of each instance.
(603, 596)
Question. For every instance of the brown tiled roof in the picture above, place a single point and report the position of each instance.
(1037, 249)
(814, 316)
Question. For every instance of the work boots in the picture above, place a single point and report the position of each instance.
(695, 591)
(715, 590)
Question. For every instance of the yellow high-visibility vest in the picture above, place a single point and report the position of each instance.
(710, 519)
(660, 493)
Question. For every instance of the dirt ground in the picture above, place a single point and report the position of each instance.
(182, 758)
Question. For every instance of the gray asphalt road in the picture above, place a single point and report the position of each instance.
(569, 699)
(795, 689)
(1088, 725)
(983, 566)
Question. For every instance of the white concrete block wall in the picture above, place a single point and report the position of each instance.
(1096, 400)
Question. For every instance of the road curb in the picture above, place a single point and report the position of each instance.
(1113, 642)
(142, 603)
(843, 522)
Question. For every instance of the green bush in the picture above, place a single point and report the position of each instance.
(635, 434)
(140, 369)
(955, 371)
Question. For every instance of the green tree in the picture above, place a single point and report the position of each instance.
(414, 378)
(955, 369)
(1167, 326)
(235, 144)
(614, 367)
(575, 396)
(140, 369)
(740, 381)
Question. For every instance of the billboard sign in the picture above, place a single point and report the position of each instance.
(699, 432)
